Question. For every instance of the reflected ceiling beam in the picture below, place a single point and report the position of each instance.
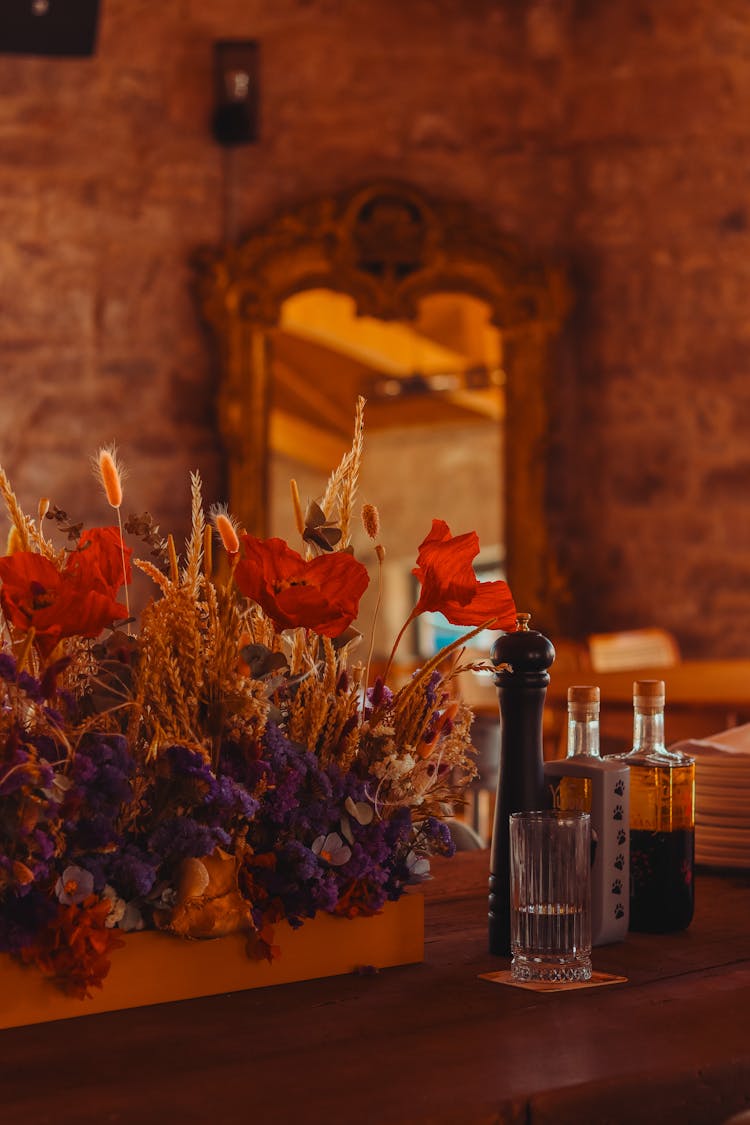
(338, 378)
(302, 441)
(393, 347)
(298, 348)
(307, 393)
(477, 404)
(432, 411)
(489, 403)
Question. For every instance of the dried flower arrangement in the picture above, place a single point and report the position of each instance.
(229, 765)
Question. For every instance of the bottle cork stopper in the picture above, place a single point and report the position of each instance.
(583, 701)
(581, 693)
(649, 693)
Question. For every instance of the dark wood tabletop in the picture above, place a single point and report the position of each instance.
(428, 1043)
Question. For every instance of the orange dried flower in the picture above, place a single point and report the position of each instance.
(110, 474)
(73, 950)
(371, 520)
(357, 900)
(227, 532)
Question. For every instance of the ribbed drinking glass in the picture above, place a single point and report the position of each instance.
(550, 895)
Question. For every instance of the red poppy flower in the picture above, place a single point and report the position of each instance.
(450, 586)
(78, 601)
(321, 594)
(98, 560)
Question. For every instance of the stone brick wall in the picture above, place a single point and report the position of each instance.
(613, 137)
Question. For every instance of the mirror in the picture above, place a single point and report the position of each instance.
(433, 423)
(376, 291)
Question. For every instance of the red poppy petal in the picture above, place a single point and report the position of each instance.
(97, 562)
(492, 602)
(321, 594)
(449, 584)
(445, 566)
(18, 571)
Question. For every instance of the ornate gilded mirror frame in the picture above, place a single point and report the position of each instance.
(387, 246)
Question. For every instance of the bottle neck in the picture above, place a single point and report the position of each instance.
(648, 731)
(583, 737)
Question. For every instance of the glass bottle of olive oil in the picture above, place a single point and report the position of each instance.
(662, 820)
(600, 786)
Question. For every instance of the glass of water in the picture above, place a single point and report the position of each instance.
(550, 896)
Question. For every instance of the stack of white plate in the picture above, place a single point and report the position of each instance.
(722, 797)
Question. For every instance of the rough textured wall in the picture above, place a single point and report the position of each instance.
(613, 137)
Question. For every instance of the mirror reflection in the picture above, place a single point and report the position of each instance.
(434, 432)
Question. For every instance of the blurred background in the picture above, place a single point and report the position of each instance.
(611, 141)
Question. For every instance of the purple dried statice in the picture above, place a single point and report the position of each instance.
(101, 785)
(182, 837)
(23, 918)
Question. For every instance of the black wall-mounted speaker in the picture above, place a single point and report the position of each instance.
(48, 27)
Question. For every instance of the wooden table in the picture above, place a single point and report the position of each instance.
(429, 1043)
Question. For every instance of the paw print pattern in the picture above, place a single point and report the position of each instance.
(620, 862)
(621, 837)
(619, 910)
(618, 813)
(617, 887)
(620, 788)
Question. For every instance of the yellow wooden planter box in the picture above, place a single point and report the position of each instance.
(155, 968)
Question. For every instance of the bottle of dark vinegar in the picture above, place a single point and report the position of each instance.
(662, 820)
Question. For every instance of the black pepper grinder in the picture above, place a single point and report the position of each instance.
(521, 661)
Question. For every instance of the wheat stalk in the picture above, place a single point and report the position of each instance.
(154, 574)
(351, 479)
(342, 483)
(195, 545)
(194, 563)
(22, 523)
(208, 555)
(174, 566)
